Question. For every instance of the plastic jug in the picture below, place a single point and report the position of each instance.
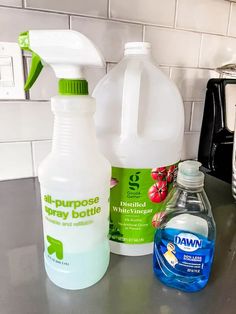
(140, 126)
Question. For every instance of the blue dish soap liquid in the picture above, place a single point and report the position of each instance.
(185, 240)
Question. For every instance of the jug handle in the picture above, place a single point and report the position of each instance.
(130, 100)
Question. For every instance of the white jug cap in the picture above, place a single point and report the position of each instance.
(139, 47)
(189, 174)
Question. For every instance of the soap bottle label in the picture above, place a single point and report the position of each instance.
(136, 200)
(182, 253)
(72, 224)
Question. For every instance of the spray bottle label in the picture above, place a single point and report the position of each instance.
(73, 224)
(136, 201)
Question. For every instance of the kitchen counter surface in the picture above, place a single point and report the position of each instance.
(129, 285)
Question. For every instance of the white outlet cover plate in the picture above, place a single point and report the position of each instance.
(11, 71)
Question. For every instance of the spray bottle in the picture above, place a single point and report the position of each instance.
(74, 177)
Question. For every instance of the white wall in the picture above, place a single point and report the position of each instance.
(190, 39)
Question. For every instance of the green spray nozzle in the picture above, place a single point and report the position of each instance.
(36, 65)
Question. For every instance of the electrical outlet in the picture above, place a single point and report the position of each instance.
(11, 72)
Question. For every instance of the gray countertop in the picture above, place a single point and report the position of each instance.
(129, 285)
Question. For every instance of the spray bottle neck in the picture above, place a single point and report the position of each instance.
(69, 87)
(74, 131)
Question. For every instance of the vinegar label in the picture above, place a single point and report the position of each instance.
(136, 202)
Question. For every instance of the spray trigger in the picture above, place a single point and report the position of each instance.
(36, 65)
(36, 68)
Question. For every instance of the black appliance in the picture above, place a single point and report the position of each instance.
(217, 132)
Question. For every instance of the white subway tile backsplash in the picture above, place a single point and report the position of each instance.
(192, 82)
(190, 145)
(187, 115)
(217, 51)
(25, 120)
(174, 47)
(196, 120)
(109, 36)
(203, 15)
(88, 7)
(40, 150)
(150, 11)
(15, 161)
(15, 21)
(94, 75)
(232, 22)
(177, 30)
(14, 3)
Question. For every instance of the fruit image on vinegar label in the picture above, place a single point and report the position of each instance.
(136, 202)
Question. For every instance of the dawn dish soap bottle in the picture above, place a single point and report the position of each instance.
(185, 239)
(74, 177)
(140, 127)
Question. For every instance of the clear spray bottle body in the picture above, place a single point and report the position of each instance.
(185, 240)
(74, 178)
(74, 182)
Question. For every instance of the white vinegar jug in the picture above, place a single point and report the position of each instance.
(140, 127)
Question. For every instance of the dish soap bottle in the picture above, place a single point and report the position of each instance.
(74, 177)
(140, 127)
(185, 240)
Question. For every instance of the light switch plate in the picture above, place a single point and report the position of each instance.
(11, 72)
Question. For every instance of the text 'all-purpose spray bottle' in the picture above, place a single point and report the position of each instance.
(74, 177)
(140, 128)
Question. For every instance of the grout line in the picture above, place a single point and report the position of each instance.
(23, 141)
(118, 20)
(229, 20)
(32, 159)
(191, 132)
(107, 64)
(25, 74)
(136, 22)
(191, 112)
(57, 12)
(200, 51)
(144, 32)
(45, 140)
(181, 67)
(23, 3)
(176, 13)
(24, 100)
(166, 27)
(10, 6)
(69, 21)
(169, 72)
(108, 9)
(21, 178)
(191, 117)
(106, 67)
